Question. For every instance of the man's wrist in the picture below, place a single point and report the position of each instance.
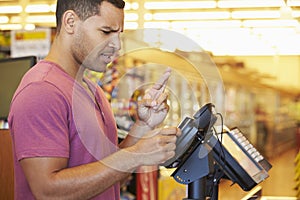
(129, 157)
(139, 129)
(143, 125)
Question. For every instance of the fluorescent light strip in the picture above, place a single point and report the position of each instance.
(134, 5)
(272, 32)
(15, 19)
(255, 14)
(296, 14)
(180, 5)
(38, 8)
(4, 19)
(29, 27)
(207, 24)
(249, 3)
(293, 3)
(131, 6)
(127, 6)
(191, 15)
(270, 23)
(164, 25)
(131, 17)
(148, 16)
(41, 19)
(130, 25)
(53, 7)
(10, 26)
(10, 9)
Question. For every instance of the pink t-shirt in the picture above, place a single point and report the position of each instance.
(53, 116)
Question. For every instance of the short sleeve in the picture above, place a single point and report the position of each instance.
(39, 122)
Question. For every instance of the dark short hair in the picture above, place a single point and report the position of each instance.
(83, 8)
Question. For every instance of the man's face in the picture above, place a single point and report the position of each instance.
(97, 39)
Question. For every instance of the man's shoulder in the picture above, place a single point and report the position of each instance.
(45, 79)
(46, 73)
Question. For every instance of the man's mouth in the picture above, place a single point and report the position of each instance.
(107, 57)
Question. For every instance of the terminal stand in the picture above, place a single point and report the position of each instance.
(201, 175)
(203, 157)
(197, 190)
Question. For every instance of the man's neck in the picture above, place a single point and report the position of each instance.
(59, 55)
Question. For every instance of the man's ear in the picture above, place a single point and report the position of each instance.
(69, 19)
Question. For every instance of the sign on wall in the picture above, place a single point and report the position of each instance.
(26, 43)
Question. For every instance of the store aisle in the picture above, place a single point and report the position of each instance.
(280, 183)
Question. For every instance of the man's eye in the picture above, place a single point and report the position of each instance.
(106, 32)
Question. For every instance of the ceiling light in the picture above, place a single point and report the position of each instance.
(131, 17)
(53, 7)
(191, 15)
(293, 3)
(4, 19)
(270, 32)
(10, 9)
(164, 25)
(148, 16)
(180, 5)
(270, 23)
(127, 6)
(296, 14)
(33, 19)
(255, 14)
(249, 3)
(10, 26)
(207, 24)
(15, 20)
(134, 5)
(29, 27)
(286, 12)
(38, 8)
(131, 6)
(130, 25)
(41, 19)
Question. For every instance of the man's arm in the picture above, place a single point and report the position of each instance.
(136, 132)
(152, 110)
(49, 178)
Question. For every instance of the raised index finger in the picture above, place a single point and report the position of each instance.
(162, 81)
(159, 87)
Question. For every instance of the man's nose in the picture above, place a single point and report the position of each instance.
(115, 42)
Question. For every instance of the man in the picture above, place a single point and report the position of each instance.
(63, 130)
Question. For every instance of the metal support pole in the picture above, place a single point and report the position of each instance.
(197, 190)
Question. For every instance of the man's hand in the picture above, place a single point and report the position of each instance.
(153, 108)
(156, 146)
